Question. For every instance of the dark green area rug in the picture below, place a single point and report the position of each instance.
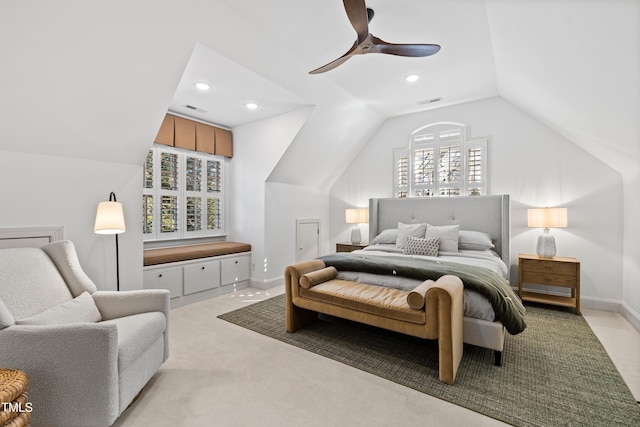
(556, 373)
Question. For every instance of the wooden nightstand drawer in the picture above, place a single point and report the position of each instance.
(545, 267)
(549, 279)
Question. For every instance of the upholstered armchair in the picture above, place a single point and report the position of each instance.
(87, 353)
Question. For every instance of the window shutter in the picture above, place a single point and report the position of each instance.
(183, 194)
(169, 214)
(440, 161)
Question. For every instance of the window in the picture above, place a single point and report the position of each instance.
(440, 161)
(183, 194)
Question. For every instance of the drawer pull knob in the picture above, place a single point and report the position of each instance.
(236, 262)
(203, 267)
(159, 275)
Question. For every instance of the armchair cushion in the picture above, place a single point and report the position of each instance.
(79, 310)
(30, 282)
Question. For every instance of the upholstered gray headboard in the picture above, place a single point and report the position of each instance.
(489, 214)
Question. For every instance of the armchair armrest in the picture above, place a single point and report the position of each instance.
(113, 304)
(72, 370)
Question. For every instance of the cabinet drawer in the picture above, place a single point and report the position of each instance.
(541, 266)
(201, 277)
(164, 278)
(549, 279)
(233, 270)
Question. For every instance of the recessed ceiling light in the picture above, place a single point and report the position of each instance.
(412, 78)
(251, 105)
(202, 86)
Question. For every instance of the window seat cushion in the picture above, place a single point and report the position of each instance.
(188, 252)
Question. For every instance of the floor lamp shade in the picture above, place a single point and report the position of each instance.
(547, 218)
(356, 216)
(110, 220)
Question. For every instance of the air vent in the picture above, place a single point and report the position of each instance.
(194, 108)
(429, 101)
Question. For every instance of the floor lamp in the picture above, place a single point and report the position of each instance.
(110, 220)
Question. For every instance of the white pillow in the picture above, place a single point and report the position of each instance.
(474, 240)
(81, 309)
(419, 246)
(448, 235)
(405, 230)
(388, 236)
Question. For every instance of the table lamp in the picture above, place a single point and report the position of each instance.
(547, 218)
(356, 216)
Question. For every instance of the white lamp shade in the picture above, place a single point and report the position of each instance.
(109, 218)
(357, 216)
(547, 217)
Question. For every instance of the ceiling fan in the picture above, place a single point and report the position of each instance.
(360, 16)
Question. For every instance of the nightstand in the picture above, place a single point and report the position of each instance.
(557, 271)
(348, 247)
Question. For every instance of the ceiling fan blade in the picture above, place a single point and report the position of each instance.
(358, 16)
(414, 50)
(333, 64)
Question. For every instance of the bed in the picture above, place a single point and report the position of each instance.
(477, 217)
(435, 268)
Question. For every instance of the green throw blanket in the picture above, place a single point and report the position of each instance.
(506, 304)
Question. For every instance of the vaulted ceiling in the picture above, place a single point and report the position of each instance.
(93, 80)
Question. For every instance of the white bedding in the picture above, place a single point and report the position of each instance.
(475, 305)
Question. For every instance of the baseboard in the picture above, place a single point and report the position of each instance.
(613, 306)
(267, 283)
(631, 315)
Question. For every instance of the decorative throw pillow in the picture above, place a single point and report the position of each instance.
(388, 236)
(420, 246)
(81, 309)
(405, 230)
(448, 235)
(474, 240)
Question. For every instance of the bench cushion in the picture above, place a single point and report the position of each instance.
(378, 300)
(187, 252)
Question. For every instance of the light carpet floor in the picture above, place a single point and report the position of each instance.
(219, 375)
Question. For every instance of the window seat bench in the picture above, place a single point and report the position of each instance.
(200, 271)
(189, 252)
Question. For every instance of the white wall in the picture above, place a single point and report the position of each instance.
(39, 190)
(258, 147)
(285, 204)
(631, 289)
(533, 164)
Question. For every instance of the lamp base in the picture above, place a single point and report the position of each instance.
(546, 247)
(356, 237)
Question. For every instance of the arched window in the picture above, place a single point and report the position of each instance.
(441, 161)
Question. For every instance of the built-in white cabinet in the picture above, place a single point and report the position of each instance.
(169, 278)
(194, 280)
(234, 270)
(201, 276)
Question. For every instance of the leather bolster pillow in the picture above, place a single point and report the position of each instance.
(416, 297)
(315, 277)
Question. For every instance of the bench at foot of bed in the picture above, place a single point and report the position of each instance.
(433, 310)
